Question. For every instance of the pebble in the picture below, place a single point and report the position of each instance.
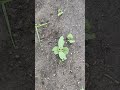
(71, 71)
(78, 82)
(54, 75)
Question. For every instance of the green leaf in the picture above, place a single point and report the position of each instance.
(70, 36)
(61, 42)
(60, 12)
(62, 56)
(71, 41)
(55, 50)
(65, 50)
(89, 36)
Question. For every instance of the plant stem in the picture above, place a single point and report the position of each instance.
(42, 25)
(8, 24)
(37, 34)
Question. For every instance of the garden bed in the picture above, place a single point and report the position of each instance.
(50, 73)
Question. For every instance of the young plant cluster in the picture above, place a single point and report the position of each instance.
(60, 49)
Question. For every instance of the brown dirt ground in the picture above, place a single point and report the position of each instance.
(50, 74)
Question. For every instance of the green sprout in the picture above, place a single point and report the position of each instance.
(60, 12)
(36, 29)
(39, 26)
(70, 38)
(6, 18)
(60, 49)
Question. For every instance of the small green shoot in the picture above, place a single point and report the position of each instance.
(70, 38)
(60, 12)
(60, 49)
(36, 29)
(39, 26)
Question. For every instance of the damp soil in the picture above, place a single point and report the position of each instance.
(17, 64)
(103, 54)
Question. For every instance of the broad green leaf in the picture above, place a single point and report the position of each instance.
(89, 36)
(70, 36)
(65, 50)
(55, 50)
(61, 42)
(71, 41)
(62, 56)
(60, 12)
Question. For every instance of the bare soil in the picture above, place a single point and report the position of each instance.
(17, 64)
(103, 60)
(50, 73)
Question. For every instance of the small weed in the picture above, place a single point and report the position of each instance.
(2, 2)
(39, 26)
(70, 38)
(60, 12)
(60, 49)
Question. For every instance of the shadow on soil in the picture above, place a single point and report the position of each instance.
(103, 59)
(17, 64)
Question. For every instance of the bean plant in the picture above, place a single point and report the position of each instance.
(60, 49)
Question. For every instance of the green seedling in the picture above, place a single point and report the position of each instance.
(2, 2)
(60, 12)
(70, 38)
(39, 26)
(36, 29)
(60, 49)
